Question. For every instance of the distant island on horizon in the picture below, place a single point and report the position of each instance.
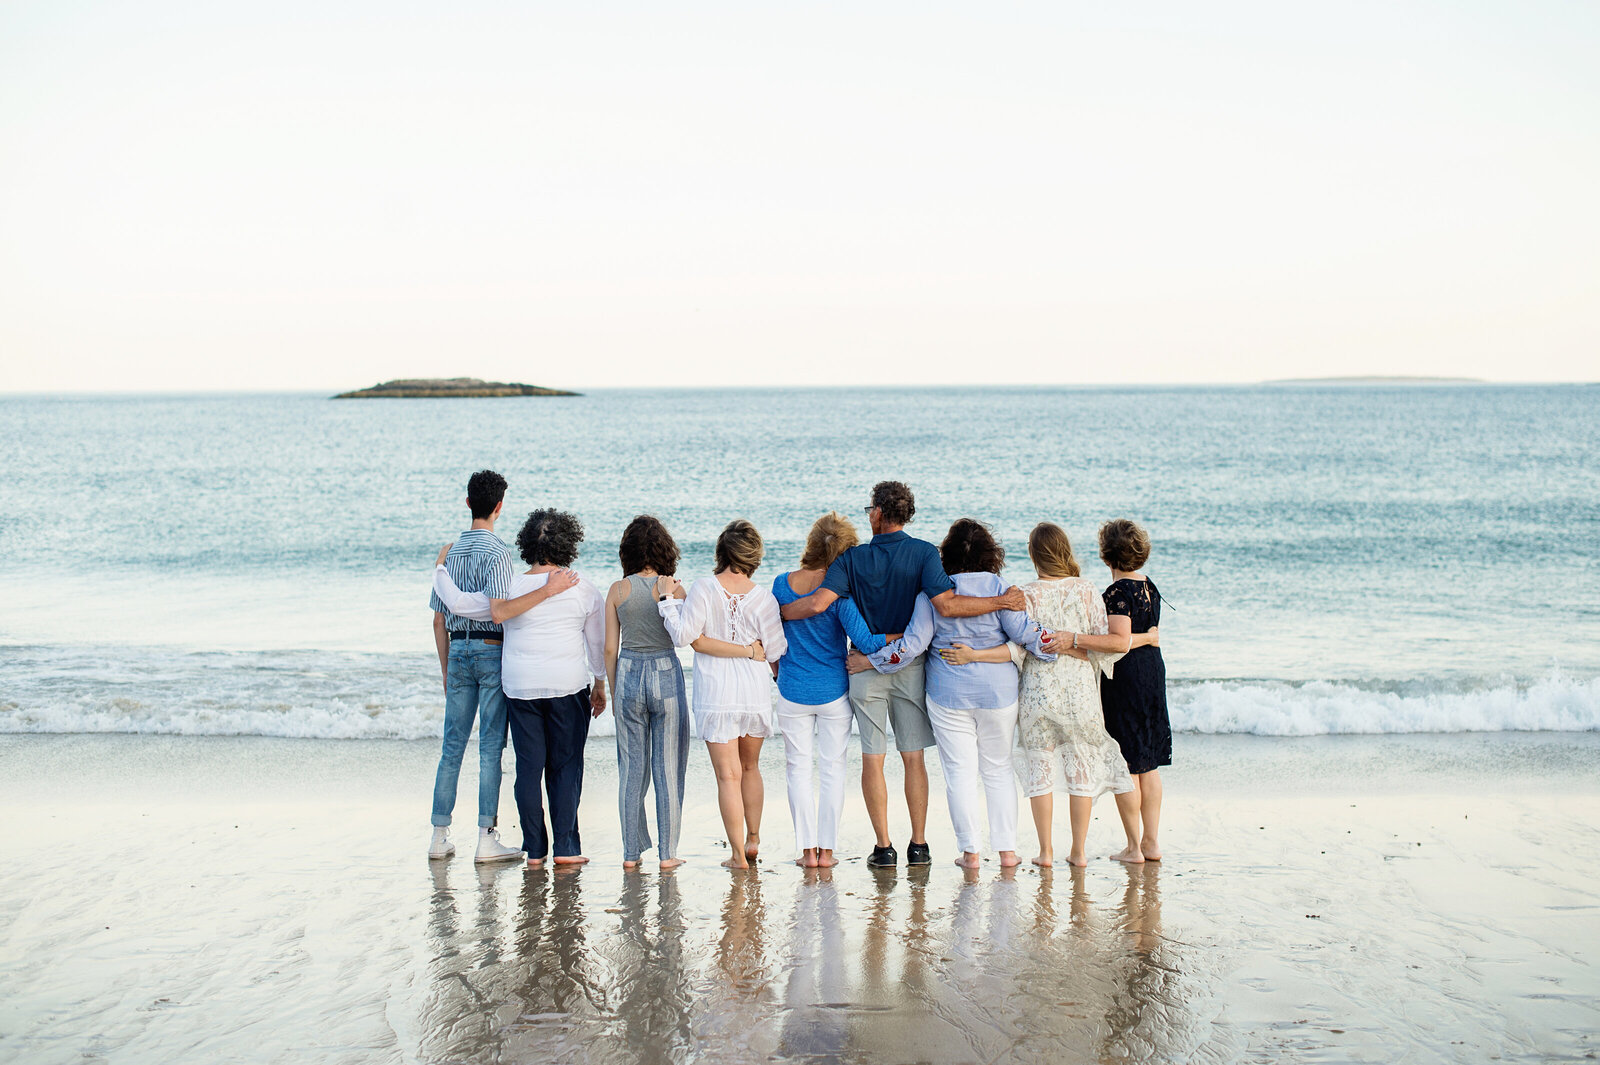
(450, 388)
(1397, 380)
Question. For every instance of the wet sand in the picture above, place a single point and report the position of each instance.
(1429, 898)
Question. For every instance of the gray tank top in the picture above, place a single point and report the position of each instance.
(639, 619)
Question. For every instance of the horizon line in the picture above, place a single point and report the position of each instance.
(1397, 381)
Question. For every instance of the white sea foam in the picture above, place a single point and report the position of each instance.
(1267, 708)
(377, 696)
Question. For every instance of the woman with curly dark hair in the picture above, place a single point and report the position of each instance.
(552, 649)
(973, 704)
(652, 709)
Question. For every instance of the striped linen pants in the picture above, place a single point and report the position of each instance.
(652, 719)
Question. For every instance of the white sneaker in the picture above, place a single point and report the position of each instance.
(441, 847)
(490, 849)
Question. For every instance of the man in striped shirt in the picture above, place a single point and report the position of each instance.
(469, 659)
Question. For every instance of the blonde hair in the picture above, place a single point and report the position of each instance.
(829, 538)
(1051, 551)
(739, 548)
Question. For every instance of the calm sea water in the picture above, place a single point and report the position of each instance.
(1334, 559)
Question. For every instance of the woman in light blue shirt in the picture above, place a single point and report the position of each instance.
(813, 688)
(973, 707)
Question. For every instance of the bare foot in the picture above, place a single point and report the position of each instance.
(630, 865)
(1078, 860)
(734, 863)
(669, 864)
(968, 860)
(808, 858)
(826, 860)
(1130, 855)
(1009, 859)
(571, 859)
(1044, 861)
(752, 846)
(535, 863)
(1151, 851)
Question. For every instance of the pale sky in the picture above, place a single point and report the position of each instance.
(320, 195)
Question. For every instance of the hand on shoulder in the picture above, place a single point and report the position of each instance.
(560, 580)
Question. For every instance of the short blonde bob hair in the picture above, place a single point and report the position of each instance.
(1051, 551)
(739, 548)
(830, 537)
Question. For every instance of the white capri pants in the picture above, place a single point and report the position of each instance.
(825, 730)
(974, 745)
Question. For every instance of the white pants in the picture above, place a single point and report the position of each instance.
(826, 730)
(977, 744)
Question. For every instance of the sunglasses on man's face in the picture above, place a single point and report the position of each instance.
(869, 510)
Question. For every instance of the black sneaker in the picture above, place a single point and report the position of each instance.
(918, 854)
(884, 857)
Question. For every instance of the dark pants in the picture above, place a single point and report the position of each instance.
(548, 736)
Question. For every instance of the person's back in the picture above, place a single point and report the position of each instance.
(651, 699)
(640, 628)
(469, 658)
(812, 670)
(555, 648)
(885, 575)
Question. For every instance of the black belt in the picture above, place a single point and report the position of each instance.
(469, 634)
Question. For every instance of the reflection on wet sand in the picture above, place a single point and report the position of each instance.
(848, 965)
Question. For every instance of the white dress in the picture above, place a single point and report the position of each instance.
(732, 696)
(1065, 745)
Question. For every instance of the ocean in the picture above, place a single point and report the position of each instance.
(1334, 559)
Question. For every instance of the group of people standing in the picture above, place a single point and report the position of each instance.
(926, 645)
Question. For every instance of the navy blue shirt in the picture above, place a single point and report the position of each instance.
(885, 576)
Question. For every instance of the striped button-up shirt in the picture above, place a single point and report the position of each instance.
(478, 562)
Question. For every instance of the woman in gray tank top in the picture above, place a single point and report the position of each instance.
(651, 706)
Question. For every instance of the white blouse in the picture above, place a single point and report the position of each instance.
(732, 696)
(549, 651)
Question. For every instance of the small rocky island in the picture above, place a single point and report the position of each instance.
(449, 388)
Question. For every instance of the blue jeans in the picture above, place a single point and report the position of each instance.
(472, 690)
(652, 715)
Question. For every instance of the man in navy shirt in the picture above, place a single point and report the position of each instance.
(884, 577)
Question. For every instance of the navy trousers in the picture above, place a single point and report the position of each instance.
(548, 737)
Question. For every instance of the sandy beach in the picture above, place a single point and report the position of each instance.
(1327, 899)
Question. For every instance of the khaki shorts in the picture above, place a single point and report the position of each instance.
(885, 700)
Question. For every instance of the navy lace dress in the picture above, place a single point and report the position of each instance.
(1134, 700)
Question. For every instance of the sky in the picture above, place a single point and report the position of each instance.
(289, 196)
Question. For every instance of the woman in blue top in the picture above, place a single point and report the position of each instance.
(972, 706)
(813, 686)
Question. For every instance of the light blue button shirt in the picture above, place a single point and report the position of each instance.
(479, 561)
(976, 685)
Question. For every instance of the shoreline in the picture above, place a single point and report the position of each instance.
(1346, 898)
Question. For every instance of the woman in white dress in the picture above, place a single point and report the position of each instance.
(737, 635)
(1065, 746)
